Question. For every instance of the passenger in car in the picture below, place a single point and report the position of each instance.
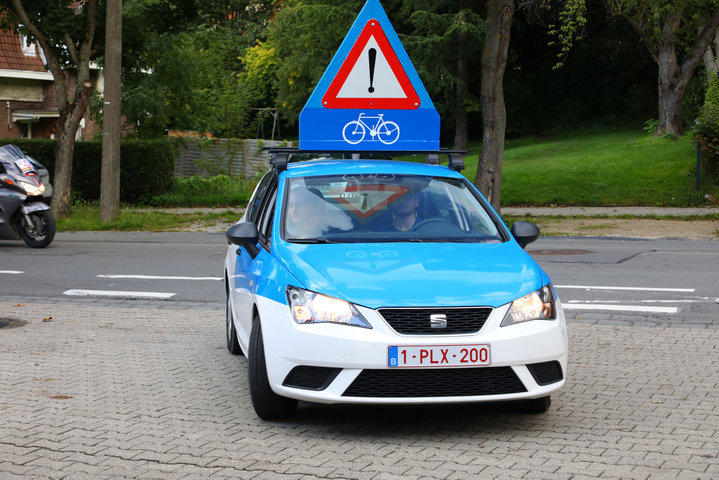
(309, 215)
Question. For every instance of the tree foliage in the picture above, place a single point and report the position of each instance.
(706, 131)
(66, 31)
(445, 44)
(677, 34)
(183, 64)
(303, 38)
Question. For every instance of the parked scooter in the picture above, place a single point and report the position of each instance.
(23, 213)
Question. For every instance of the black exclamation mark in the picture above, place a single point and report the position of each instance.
(372, 57)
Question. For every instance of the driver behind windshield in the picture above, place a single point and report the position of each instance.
(404, 214)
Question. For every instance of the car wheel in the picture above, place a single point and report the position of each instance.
(232, 344)
(268, 405)
(537, 405)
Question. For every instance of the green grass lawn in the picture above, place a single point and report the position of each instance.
(617, 168)
(87, 218)
(593, 169)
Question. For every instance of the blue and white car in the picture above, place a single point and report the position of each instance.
(336, 294)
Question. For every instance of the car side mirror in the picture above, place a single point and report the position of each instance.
(244, 235)
(524, 232)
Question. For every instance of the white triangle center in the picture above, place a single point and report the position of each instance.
(383, 84)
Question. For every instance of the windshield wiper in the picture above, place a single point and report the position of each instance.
(310, 241)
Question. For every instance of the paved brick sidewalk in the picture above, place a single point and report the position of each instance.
(100, 392)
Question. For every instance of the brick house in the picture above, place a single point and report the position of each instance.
(28, 108)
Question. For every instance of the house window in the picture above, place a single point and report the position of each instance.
(28, 46)
(25, 129)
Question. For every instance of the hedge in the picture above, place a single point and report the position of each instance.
(147, 167)
(706, 131)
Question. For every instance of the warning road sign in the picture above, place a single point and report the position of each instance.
(370, 97)
(371, 76)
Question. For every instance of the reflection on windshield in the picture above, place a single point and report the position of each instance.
(385, 208)
(310, 216)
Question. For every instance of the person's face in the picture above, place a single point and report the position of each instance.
(405, 206)
(299, 207)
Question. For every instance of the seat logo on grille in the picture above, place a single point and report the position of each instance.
(438, 320)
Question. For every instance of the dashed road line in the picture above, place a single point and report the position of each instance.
(630, 305)
(117, 294)
(159, 277)
(12, 272)
(641, 289)
(618, 308)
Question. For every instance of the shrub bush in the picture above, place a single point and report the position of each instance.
(706, 132)
(147, 167)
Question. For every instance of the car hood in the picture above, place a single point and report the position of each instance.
(415, 274)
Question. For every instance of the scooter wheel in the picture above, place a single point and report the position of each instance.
(42, 231)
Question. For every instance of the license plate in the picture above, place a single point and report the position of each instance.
(439, 356)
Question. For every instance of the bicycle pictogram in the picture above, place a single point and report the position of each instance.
(382, 130)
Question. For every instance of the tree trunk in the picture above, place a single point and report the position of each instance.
(670, 96)
(70, 115)
(494, 114)
(461, 122)
(71, 111)
(669, 91)
(673, 77)
(711, 58)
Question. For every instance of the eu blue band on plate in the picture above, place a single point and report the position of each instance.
(392, 356)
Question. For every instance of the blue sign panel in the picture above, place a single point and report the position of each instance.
(370, 98)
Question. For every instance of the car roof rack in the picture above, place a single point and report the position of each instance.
(280, 157)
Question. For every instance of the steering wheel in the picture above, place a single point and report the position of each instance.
(426, 222)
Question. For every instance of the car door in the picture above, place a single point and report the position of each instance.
(244, 278)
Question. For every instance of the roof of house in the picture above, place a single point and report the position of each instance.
(12, 56)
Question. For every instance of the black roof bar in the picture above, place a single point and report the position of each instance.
(280, 156)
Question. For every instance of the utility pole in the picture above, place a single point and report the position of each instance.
(111, 115)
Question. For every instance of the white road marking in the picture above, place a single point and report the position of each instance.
(116, 294)
(614, 305)
(641, 289)
(619, 308)
(12, 272)
(638, 301)
(158, 277)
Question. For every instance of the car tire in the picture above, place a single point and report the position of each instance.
(268, 405)
(537, 405)
(232, 344)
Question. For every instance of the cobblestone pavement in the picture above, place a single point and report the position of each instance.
(99, 392)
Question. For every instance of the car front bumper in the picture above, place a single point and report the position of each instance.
(330, 363)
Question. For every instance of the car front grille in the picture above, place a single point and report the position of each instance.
(441, 382)
(416, 321)
(546, 372)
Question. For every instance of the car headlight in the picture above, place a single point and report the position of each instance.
(537, 305)
(311, 307)
(31, 189)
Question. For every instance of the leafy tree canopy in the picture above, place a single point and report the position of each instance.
(304, 37)
(182, 62)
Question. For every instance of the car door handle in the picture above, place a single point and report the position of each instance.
(238, 251)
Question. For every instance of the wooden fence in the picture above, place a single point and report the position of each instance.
(207, 158)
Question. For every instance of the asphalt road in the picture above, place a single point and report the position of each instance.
(598, 279)
(95, 387)
(186, 265)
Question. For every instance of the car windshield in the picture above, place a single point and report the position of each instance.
(384, 208)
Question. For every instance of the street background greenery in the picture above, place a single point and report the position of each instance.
(231, 68)
(607, 168)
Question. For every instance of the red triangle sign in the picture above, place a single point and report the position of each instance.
(371, 76)
(366, 200)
